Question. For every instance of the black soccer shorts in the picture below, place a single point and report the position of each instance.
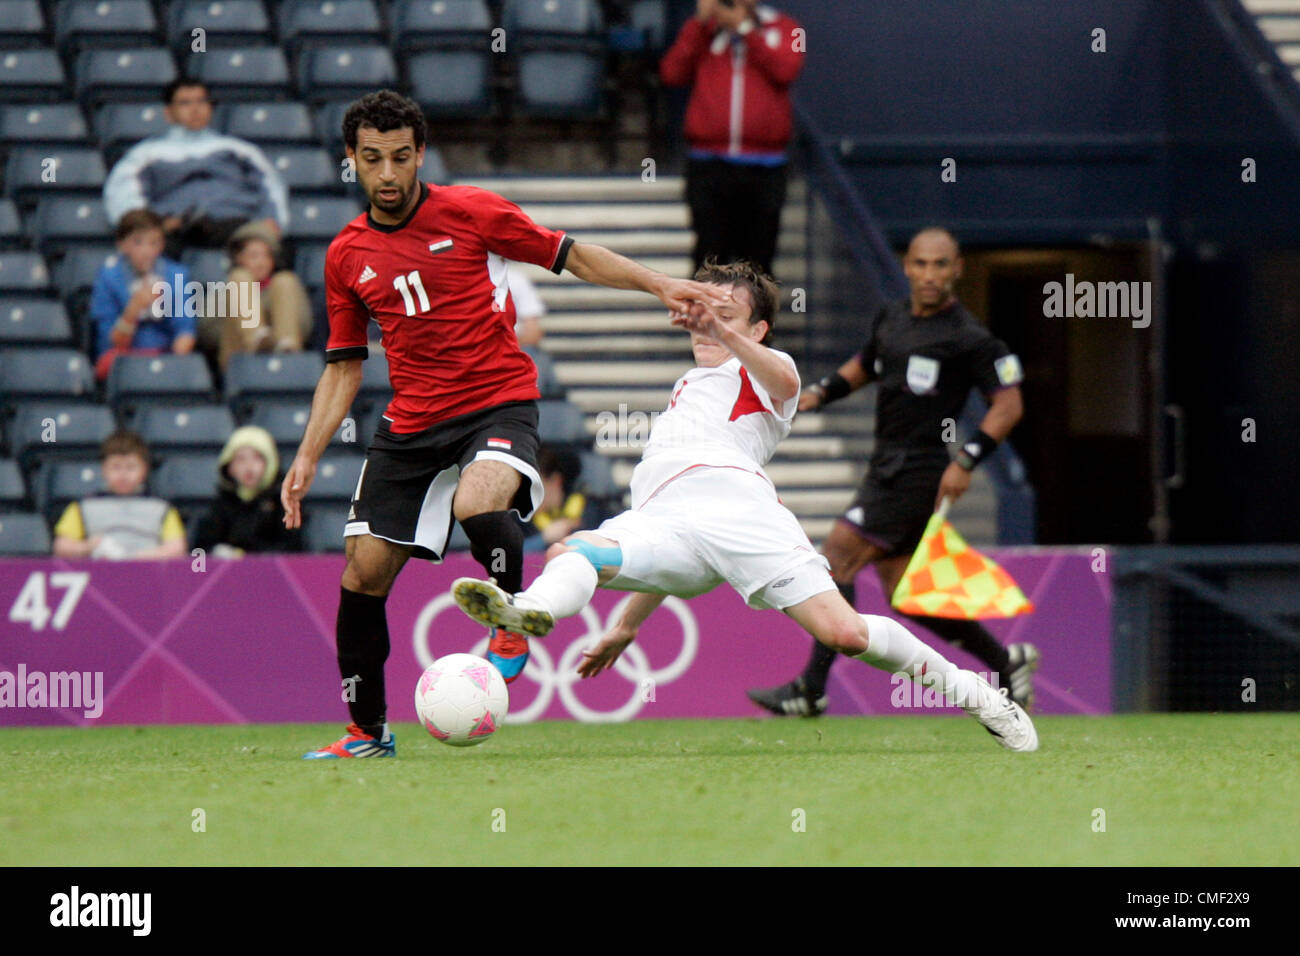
(892, 510)
(405, 490)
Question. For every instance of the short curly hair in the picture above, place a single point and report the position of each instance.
(385, 110)
(764, 292)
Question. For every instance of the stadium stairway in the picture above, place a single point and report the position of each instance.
(1279, 21)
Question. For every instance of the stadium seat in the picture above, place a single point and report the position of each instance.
(367, 419)
(48, 430)
(41, 123)
(322, 531)
(56, 483)
(455, 84)
(138, 73)
(308, 22)
(444, 24)
(59, 221)
(206, 265)
(24, 534)
(560, 423)
(560, 84)
(79, 25)
(28, 320)
(268, 122)
(168, 428)
(567, 24)
(650, 17)
(329, 124)
(340, 72)
(120, 126)
(11, 227)
(186, 479)
(250, 378)
(23, 25)
(336, 477)
(78, 268)
(305, 169)
(31, 76)
(138, 380)
(598, 476)
(320, 220)
(375, 386)
(45, 373)
(37, 171)
(548, 383)
(247, 73)
(13, 492)
(309, 263)
(286, 420)
(225, 23)
(23, 272)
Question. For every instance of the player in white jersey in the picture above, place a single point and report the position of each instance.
(704, 512)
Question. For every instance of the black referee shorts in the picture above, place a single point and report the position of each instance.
(892, 509)
(407, 484)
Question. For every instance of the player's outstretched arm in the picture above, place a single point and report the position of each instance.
(606, 652)
(601, 266)
(335, 392)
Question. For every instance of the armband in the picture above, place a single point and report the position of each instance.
(833, 387)
(976, 448)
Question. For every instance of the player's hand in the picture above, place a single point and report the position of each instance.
(680, 294)
(603, 655)
(701, 319)
(810, 400)
(296, 482)
(953, 484)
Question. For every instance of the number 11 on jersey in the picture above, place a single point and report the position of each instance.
(404, 284)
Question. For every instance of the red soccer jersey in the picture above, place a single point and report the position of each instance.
(436, 284)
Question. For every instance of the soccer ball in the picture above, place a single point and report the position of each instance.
(461, 699)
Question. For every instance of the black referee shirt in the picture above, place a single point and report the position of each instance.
(926, 366)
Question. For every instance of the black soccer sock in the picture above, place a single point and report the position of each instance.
(970, 636)
(497, 542)
(362, 635)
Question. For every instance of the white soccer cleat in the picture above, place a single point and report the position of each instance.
(490, 605)
(1003, 718)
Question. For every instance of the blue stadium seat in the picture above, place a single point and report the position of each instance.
(268, 122)
(322, 531)
(560, 84)
(250, 378)
(167, 428)
(367, 420)
(554, 23)
(137, 73)
(305, 169)
(32, 320)
(31, 76)
(309, 263)
(11, 227)
(560, 423)
(79, 25)
(338, 72)
(374, 379)
(44, 373)
(186, 479)
(306, 22)
(78, 268)
(435, 169)
(36, 171)
(13, 491)
(23, 25)
(120, 126)
(329, 124)
(650, 17)
(23, 272)
(41, 123)
(320, 220)
(138, 380)
(48, 430)
(206, 265)
(548, 383)
(247, 73)
(224, 22)
(336, 477)
(61, 220)
(286, 420)
(454, 84)
(597, 478)
(442, 24)
(24, 534)
(58, 482)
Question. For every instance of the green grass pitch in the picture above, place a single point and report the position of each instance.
(1194, 789)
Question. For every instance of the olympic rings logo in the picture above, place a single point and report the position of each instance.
(632, 664)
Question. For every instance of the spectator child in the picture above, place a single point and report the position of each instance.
(247, 515)
(561, 511)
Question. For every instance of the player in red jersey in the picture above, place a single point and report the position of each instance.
(459, 440)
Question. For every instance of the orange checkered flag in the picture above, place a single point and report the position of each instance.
(948, 578)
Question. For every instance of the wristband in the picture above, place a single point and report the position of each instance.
(833, 387)
(978, 447)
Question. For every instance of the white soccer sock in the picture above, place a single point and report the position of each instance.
(563, 588)
(893, 648)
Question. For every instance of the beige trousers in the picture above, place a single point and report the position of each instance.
(280, 322)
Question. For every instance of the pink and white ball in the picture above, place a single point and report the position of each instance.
(461, 699)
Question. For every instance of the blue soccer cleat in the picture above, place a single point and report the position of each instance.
(356, 743)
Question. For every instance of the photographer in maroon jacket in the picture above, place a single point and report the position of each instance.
(739, 58)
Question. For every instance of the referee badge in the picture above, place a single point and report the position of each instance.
(1009, 370)
(922, 374)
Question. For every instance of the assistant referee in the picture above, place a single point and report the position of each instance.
(926, 352)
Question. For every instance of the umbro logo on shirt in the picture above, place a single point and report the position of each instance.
(366, 275)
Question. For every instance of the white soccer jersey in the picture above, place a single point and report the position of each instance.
(720, 417)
